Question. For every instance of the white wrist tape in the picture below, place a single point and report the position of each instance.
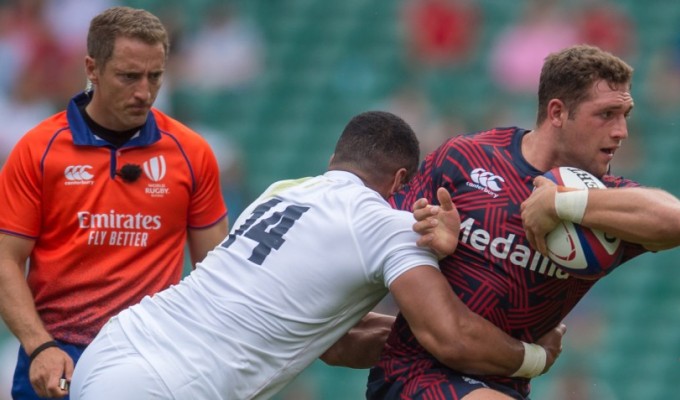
(571, 205)
(534, 361)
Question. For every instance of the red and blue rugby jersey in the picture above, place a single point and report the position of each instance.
(494, 270)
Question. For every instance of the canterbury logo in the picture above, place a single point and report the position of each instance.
(486, 179)
(78, 173)
(154, 168)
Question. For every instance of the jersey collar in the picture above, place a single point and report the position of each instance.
(344, 175)
(83, 136)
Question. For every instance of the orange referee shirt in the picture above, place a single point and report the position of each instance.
(101, 244)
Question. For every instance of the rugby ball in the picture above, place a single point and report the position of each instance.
(580, 251)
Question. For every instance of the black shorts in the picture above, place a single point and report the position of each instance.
(432, 384)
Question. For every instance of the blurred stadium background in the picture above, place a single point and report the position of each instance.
(273, 82)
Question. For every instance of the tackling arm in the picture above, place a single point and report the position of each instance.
(456, 336)
(438, 227)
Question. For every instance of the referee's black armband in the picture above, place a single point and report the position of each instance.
(40, 349)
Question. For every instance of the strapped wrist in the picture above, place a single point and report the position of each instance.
(40, 349)
(534, 361)
(571, 205)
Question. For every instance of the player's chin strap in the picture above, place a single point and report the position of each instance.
(571, 205)
(533, 363)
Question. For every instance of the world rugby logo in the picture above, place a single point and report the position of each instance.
(154, 168)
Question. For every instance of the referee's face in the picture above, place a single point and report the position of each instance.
(126, 87)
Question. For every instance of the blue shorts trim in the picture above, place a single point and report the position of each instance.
(21, 385)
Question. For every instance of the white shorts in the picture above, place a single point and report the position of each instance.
(111, 369)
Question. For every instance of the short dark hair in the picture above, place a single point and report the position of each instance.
(569, 74)
(129, 22)
(378, 143)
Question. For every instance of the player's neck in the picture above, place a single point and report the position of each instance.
(537, 149)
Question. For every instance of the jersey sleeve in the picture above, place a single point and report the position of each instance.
(20, 192)
(387, 241)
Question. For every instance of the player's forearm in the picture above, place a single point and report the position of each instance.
(18, 308)
(201, 241)
(450, 331)
(473, 345)
(362, 345)
(639, 215)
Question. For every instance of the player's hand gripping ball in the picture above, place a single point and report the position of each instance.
(580, 251)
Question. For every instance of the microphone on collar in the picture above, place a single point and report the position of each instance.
(130, 172)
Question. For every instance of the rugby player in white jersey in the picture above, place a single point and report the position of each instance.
(299, 272)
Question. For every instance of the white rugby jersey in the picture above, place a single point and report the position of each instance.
(300, 267)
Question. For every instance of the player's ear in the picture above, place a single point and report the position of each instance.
(398, 180)
(557, 112)
(90, 69)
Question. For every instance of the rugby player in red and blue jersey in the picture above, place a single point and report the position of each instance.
(497, 270)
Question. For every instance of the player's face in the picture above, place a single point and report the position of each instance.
(596, 129)
(127, 85)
